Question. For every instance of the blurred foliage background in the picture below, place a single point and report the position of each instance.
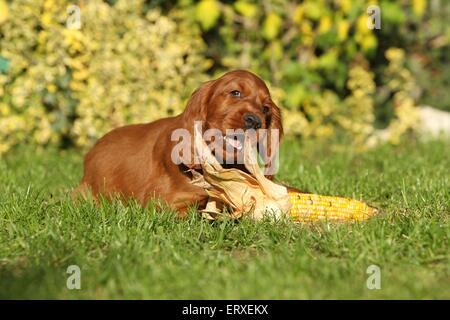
(136, 61)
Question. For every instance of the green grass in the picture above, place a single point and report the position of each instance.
(125, 251)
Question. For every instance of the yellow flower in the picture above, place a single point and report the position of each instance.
(325, 24)
(419, 7)
(4, 11)
(51, 88)
(395, 54)
(342, 29)
(46, 19)
(369, 42)
(271, 25)
(207, 12)
(299, 13)
(4, 109)
(361, 25)
(346, 5)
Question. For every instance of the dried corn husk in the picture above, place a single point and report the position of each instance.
(253, 194)
(245, 194)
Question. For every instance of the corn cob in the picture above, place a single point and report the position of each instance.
(307, 207)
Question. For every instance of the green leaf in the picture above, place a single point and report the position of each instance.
(392, 13)
(292, 71)
(328, 39)
(246, 9)
(274, 50)
(313, 10)
(295, 95)
(207, 13)
(328, 60)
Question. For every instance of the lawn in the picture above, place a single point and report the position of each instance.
(125, 251)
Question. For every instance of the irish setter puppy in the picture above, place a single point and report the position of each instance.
(138, 160)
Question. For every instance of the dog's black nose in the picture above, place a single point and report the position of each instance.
(252, 121)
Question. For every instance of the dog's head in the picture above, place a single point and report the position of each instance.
(231, 105)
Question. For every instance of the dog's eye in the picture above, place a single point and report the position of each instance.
(236, 93)
(265, 109)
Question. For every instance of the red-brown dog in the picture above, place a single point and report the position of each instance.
(137, 160)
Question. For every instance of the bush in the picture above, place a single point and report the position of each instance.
(332, 72)
(135, 61)
(124, 65)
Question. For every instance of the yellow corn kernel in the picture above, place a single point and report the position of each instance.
(306, 207)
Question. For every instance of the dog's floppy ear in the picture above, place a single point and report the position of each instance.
(271, 142)
(197, 106)
(196, 110)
